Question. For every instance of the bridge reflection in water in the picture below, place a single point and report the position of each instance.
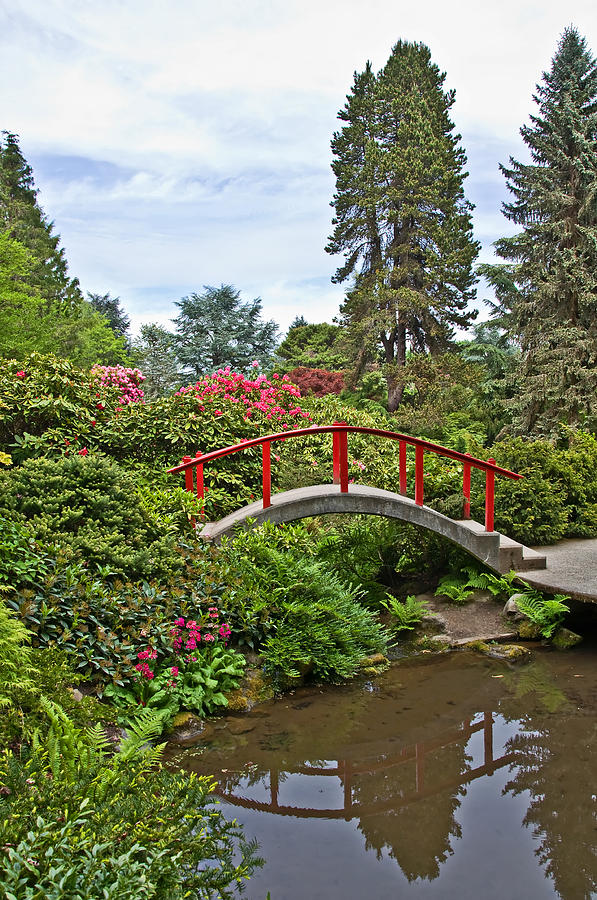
(347, 770)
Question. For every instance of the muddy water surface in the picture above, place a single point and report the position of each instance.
(447, 777)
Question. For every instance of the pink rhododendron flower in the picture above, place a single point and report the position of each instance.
(21, 374)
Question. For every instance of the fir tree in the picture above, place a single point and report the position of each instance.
(402, 220)
(550, 302)
(24, 221)
(110, 308)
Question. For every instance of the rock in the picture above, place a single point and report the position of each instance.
(189, 729)
(239, 725)
(511, 610)
(507, 652)
(76, 694)
(528, 631)
(563, 639)
(254, 688)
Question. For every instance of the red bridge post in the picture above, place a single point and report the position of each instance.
(489, 496)
(267, 474)
(343, 454)
(419, 475)
(466, 490)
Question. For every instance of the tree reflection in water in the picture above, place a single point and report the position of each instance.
(398, 762)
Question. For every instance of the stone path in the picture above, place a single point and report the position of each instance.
(571, 569)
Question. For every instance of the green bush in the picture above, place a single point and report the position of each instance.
(21, 559)
(90, 505)
(290, 607)
(77, 822)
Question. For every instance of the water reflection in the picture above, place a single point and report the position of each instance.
(398, 763)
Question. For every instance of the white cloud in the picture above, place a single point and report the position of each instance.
(187, 143)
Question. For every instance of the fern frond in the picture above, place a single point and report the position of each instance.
(148, 725)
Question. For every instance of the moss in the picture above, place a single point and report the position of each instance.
(564, 639)
(529, 631)
(254, 688)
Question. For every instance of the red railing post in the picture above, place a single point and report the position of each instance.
(489, 496)
(466, 490)
(402, 466)
(188, 475)
(267, 474)
(343, 454)
(336, 453)
(200, 484)
(419, 475)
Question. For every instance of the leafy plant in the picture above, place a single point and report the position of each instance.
(193, 676)
(456, 589)
(90, 505)
(77, 820)
(545, 612)
(406, 614)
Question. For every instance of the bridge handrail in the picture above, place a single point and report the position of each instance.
(340, 431)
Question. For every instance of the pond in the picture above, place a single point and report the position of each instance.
(452, 776)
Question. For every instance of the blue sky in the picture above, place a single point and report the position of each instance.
(183, 143)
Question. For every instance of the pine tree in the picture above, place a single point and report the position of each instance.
(24, 221)
(402, 220)
(551, 304)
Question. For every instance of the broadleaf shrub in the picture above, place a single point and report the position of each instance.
(90, 505)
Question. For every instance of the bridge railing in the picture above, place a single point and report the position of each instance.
(340, 432)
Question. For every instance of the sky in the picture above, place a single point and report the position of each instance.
(183, 143)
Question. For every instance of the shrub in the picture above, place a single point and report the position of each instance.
(127, 381)
(77, 822)
(406, 615)
(292, 609)
(90, 505)
(192, 674)
(318, 382)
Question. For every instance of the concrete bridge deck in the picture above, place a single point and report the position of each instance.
(571, 569)
(497, 551)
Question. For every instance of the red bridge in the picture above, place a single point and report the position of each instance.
(494, 549)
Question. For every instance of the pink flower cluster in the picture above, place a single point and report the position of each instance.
(128, 382)
(187, 636)
(143, 667)
(276, 401)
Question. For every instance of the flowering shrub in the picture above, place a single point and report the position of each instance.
(127, 381)
(191, 674)
(318, 382)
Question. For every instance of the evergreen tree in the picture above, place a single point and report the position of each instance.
(216, 329)
(24, 221)
(155, 354)
(311, 346)
(549, 287)
(110, 308)
(402, 220)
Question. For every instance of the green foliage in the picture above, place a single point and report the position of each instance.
(78, 822)
(15, 653)
(21, 561)
(455, 588)
(551, 306)
(312, 347)
(198, 685)
(556, 498)
(154, 353)
(372, 554)
(401, 217)
(90, 505)
(287, 605)
(406, 614)
(216, 329)
(546, 612)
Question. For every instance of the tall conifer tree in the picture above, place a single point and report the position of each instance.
(402, 220)
(24, 220)
(551, 305)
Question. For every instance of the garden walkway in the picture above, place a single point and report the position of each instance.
(571, 569)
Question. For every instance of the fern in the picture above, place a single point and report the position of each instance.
(406, 615)
(547, 614)
(455, 589)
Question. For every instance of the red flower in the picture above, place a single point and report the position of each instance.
(83, 452)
